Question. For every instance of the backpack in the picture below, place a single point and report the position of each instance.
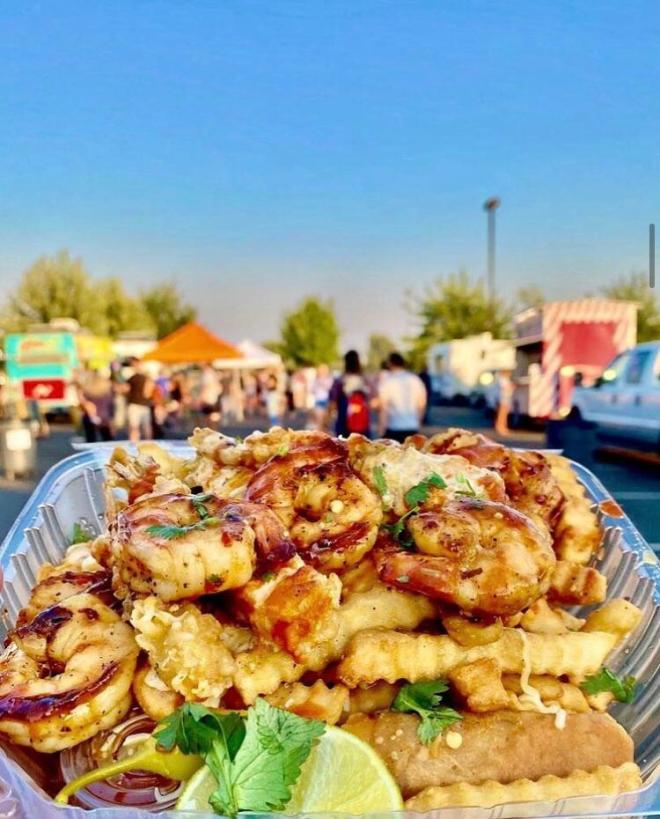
(357, 412)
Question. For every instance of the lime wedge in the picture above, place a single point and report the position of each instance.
(341, 774)
(346, 775)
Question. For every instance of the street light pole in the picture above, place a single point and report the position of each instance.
(490, 206)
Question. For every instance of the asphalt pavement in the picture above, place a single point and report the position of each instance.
(635, 485)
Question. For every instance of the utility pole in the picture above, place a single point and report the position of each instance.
(490, 206)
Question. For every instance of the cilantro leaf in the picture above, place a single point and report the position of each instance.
(379, 480)
(171, 531)
(469, 490)
(193, 728)
(268, 762)
(198, 502)
(80, 534)
(425, 699)
(398, 529)
(624, 689)
(419, 493)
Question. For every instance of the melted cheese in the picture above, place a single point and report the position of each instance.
(531, 695)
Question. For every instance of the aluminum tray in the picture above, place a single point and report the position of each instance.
(71, 493)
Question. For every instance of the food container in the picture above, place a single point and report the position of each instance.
(72, 492)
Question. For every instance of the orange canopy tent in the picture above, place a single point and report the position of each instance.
(191, 344)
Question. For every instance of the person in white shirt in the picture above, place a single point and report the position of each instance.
(402, 401)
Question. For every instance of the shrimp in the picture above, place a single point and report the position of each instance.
(332, 515)
(530, 485)
(66, 675)
(183, 546)
(484, 557)
(402, 467)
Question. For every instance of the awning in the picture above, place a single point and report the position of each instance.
(192, 344)
(255, 357)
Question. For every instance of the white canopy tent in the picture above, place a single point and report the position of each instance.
(255, 357)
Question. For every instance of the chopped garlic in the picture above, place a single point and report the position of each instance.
(454, 740)
(336, 506)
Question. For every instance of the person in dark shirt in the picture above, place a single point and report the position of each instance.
(140, 389)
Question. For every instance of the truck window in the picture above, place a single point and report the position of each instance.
(636, 366)
(656, 371)
(612, 373)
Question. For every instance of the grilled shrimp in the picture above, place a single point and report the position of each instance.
(402, 467)
(183, 546)
(66, 675)
(333, 517)
(481, 556)
(530, 484)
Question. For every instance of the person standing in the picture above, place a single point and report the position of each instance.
(402, 401)
(505, 388)
(321, 387)
(350, 397)
(210, 390)
(139, 391)
(96, 398)
(274, 400)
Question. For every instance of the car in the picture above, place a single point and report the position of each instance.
(624, 402)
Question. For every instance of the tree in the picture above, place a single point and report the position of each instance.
(380, 346)
(530, 295)
(635, 287)
(455, 307)
(165, 309)
(119, 310)
(309, 335)
(53, 287)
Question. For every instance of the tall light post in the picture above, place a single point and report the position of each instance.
(490, 206)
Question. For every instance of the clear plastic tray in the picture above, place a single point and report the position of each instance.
(71, 493)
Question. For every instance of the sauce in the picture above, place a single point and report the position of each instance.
(531, 696)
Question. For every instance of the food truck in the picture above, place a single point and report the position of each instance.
(564, 342)
(42, 363)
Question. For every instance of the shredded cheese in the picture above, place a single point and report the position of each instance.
(530, 695)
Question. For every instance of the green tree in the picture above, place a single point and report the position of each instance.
(309, 334)
(53, 287)
(455, 307)
(380, 346)
(529, 296)
(635, 287)
(119, 310)
(165, 308)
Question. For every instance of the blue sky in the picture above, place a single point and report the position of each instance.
(258, 150)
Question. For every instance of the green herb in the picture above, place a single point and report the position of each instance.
(403, 578)
(268, 576)
(282, 450)
(425, 699)
(198, 502)
(398, 529)
(624, 690)
(80, 534)
(171, 531)
(255, 761)
(469, 490)
(379, 480)
(214, 578)
(419, 493)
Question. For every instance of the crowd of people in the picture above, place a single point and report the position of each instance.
(130, 400)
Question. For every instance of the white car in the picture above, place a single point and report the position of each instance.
(625, 401)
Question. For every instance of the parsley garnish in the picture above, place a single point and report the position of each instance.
(469, 490)
(80, 534)
(171, 531)
(398, 529)
(624, 690)
(282, 450)
(379, 480)
(424, 699)
(198, 502)
(214, 578)
(419, 493)
(255, 761)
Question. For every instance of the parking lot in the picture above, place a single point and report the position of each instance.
(635, 485)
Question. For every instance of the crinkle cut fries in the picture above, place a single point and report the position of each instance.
(418, 595)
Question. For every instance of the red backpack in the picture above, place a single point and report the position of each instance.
(357, 412)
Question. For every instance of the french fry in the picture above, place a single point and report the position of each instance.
(480, 684)
(576, 533)
(575, 585)
(618, 617)
(388, 655)
(262, 670)
(604, 781)
(316, 701)
(376, 697)
(542, 618)
(551, 690)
